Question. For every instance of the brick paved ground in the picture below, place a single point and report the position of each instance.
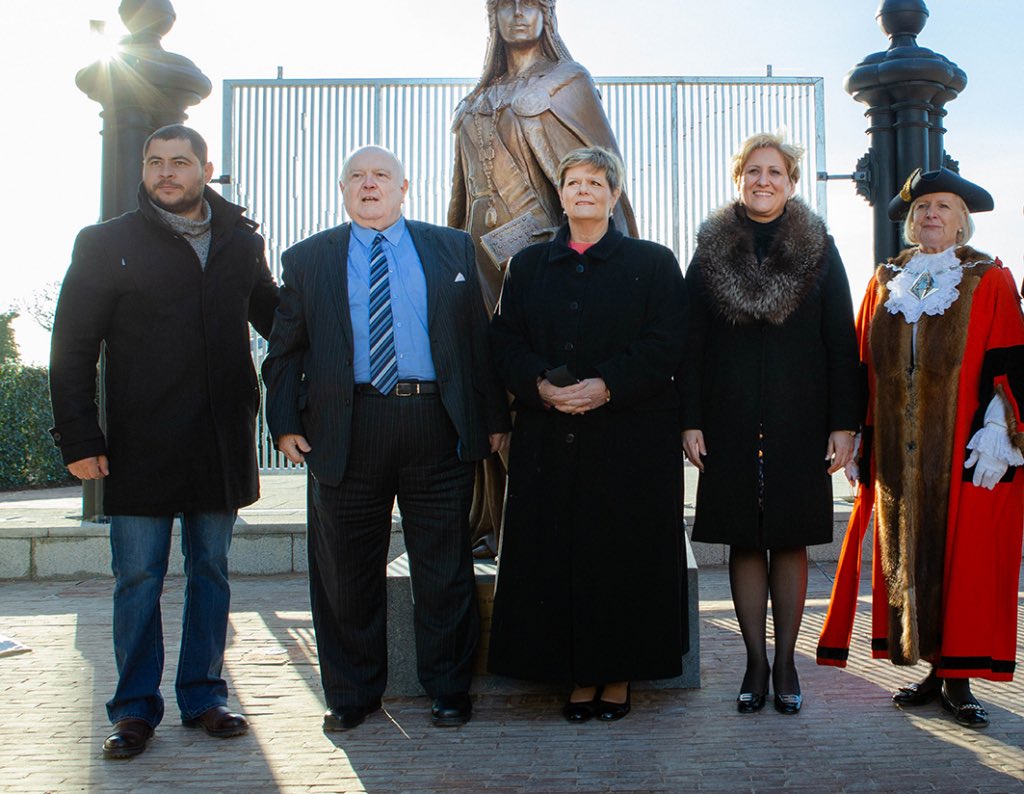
(848, 737)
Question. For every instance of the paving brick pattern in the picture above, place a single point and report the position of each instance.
(848, 738)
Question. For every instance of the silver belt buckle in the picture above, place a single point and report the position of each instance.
(407, 389)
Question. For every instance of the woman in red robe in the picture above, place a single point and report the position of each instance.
(942, 338)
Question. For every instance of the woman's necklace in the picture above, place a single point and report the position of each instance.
(486, 146)
(925, 283)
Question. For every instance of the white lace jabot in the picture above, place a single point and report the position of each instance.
(927, 284)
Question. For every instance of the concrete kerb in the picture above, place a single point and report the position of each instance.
(41, 537)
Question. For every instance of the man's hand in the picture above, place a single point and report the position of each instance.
(499, 442)
(95, 468)
(294, 447)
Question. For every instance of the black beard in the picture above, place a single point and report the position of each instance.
(182, 206)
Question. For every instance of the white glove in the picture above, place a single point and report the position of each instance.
(992, 453)
(988, 470)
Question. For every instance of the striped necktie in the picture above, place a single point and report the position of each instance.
(383, 360)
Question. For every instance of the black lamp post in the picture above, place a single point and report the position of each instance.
(141, 87)
(906, 88)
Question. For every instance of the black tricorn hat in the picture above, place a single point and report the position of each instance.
(943, 180)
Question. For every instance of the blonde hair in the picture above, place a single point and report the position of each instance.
(791, 154)
(964, 233)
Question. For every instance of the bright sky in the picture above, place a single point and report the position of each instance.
(52, 145)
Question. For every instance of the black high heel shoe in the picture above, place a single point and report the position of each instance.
(608, 711)
(788, 704)
(752, 702)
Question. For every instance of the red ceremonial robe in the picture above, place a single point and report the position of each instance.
(962, 611)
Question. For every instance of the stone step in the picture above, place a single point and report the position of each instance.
(74, 550)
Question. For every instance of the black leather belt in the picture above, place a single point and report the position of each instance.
(404, 388)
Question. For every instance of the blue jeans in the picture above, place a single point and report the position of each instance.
(140, 546)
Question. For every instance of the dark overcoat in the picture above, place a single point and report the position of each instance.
(588, 586)
(771, 369)
(181, 391)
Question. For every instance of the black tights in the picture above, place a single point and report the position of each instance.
(958, 689)
(753, 576)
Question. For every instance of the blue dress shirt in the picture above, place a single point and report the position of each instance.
(408, 301)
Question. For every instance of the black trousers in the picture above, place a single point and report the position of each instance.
(404, 447)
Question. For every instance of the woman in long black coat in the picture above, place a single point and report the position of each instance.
(587, 335)
(771, 400)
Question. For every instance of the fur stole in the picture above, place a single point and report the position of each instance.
(915, 416)
(744, 291)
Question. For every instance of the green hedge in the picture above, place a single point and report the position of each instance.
(28, 457)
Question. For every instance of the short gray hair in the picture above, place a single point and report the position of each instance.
(598, 158)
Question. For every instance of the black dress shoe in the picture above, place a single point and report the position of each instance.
(129, 738)
(788, 704)
(219, 721)
(347, 717)
(750, 702)
(608, 711)
(580, 711)
(918, 694)
(969, 713)
(451, 710)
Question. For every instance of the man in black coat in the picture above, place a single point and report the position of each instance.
(379, 379)
(170, 289)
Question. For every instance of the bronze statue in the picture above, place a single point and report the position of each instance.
(533, 105)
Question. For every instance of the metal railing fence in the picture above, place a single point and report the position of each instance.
(284, 142)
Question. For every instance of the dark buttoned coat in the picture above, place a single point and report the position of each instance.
(588, 586)
(181, 391)
(771, 370)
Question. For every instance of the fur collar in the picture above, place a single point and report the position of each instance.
(915, 418)
(744, 291)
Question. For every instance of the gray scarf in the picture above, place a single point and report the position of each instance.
(196, 232)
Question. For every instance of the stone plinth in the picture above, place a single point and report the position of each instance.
(402, 680)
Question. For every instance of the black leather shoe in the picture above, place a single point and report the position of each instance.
(219, 721)
(608, 711)
(969, 713)
(788, 704)
(918, 694)
(347, 717)
(749, 702)
(451, 710)
(580, 711)
(129, 738)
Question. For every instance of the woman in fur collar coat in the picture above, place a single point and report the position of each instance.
(770, 400)
(942, 336)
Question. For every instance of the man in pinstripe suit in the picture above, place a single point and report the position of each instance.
(379, 379)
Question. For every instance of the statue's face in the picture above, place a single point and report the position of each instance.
(520, 21)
